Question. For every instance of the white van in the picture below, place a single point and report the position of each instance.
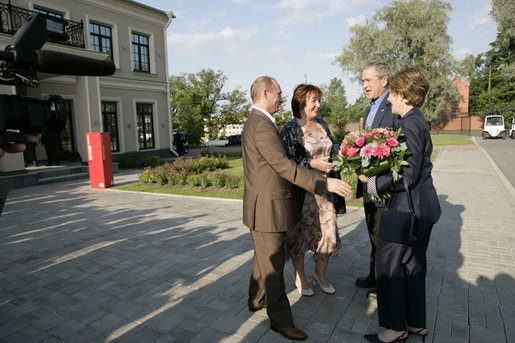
(494, 127)
(512, 129)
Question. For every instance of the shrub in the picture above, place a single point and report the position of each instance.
(205, 180)
(147, 176)
(219, 178)
(161, 174)
(193, 172)
(193, 180)
(232, 181)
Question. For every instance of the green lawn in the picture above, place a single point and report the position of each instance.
(439, 140)
(236, 168)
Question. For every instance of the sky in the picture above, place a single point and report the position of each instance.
(294, 41)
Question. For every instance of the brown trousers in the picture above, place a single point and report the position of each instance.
(267, 279)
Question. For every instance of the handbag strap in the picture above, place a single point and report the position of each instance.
(408, 193)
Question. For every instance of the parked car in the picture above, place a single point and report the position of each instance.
(494, 127)
(234, 140)
(512, 129)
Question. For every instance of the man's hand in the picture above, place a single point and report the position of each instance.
(338, 186)
(14, 148)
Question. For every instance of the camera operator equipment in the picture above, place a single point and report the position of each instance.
(20, 62)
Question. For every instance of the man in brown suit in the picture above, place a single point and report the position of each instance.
(270, 208)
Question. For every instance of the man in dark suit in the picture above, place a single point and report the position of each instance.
(377, 115)
(270, 207)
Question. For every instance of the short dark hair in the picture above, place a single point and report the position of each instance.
(411, 84)
(300, 97)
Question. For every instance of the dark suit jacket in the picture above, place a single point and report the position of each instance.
(417, 172)
(269, 203)
(384, 119)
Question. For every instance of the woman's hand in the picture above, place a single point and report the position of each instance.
(362, 177)
(321, 164)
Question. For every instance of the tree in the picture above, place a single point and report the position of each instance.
(404, 32)
(357, 110)
(232, 110)
(200, 106)
(185, 108)
(334, 108)
(493, 88)
(282, 115)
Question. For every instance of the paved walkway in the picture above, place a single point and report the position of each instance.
(86, 265)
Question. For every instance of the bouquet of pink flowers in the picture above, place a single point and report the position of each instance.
(372, 152)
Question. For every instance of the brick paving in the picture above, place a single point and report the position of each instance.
(85, 265)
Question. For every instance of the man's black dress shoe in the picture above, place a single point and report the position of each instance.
(365, 282)
(254, 309)
(372, 293)
(291, 333)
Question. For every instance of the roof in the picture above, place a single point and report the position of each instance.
(145, 6)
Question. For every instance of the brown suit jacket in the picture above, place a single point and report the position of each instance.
(269, 203)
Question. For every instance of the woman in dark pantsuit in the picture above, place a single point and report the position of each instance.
(401, 269)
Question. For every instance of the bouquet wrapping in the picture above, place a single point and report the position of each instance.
(372, 153)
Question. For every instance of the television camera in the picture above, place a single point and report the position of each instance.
(21, 59)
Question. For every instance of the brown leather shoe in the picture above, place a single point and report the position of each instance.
(291, 333)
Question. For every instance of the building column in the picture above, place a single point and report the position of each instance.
(89, 115)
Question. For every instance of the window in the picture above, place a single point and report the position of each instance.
(140, 53)
(50, 13)
(455, 112)
(145, 126)
(101, 38)
(110, 123)
(66, 143)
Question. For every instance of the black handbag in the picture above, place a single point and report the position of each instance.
(339, 204)
(338, 200)
(398, 226)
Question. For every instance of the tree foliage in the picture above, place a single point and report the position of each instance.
(404, 32)
(492, 90)
(334, 108)
(200, 106)
(282, 115)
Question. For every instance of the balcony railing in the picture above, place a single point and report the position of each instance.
(13, 17)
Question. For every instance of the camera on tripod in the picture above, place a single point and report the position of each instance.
(21, 60)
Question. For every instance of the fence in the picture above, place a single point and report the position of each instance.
(13, 17)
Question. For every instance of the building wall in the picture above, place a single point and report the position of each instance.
(458, 116)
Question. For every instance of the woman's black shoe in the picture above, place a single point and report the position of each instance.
(420, 333)
(375, 338)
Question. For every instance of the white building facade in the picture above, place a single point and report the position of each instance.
(132, 105)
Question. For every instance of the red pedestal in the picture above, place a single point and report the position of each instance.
(99, 159)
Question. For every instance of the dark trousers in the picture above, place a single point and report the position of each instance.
(30, 154)
(267, 280)
(401, 282)
(372, 217)
(51, 153)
